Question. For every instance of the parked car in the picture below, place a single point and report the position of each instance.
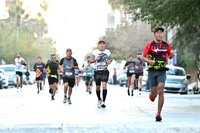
(176, 80)
(31, 78)
(123, 81)
(3, 79)
(10, 71)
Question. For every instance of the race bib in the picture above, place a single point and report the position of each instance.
(131, 71)
(54, 76)
(68, 73)
(101, 66)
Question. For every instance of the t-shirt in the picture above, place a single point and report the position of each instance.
(158, 52)
(131, 68)
(101, 64)
(19, 64)
(68, 71)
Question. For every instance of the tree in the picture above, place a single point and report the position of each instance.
(127, 40)
(24, 33)
(182, 14)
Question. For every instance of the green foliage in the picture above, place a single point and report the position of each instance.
(127, 40)
(184, 15)
(24, 34)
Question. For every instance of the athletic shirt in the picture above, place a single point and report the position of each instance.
(101, 64)
(131, 68)
(38, 68)
(76, 72)
(67, 70)
(139, 63)
(157, 52)
(52, 68)
(18, 64)
(89, 71)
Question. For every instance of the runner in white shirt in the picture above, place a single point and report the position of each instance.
(20, 65)
(102, 58)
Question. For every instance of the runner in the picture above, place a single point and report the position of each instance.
(102, 58)
(20, 65)
(130, 65)
(77, 77)
(139, 65)
(39, 70)
(89, 70)
(52, 68)
(155, 54)
(67, 66)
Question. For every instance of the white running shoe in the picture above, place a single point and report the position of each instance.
(99, 103)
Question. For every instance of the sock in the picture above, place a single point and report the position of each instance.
(104, 94)
(40, 86)
(98, 94)
(158, 114)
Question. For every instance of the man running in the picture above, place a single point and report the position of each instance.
(155, 54)
(52, 68)
(20, 65)
(68, 65)
(39, 70)
(139, 65)
(102, 58)
(130, 66)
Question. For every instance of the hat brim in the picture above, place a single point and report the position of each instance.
(157, 29)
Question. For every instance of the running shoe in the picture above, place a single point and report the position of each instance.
(99, 103)
(103, 105)
(69, 101)
(158, 118)
(65, 100)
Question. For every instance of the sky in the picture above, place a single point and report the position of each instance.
(77, 24)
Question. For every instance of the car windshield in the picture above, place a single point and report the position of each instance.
(8, 69)
(175, 71)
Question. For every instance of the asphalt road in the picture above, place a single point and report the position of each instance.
(29, 112)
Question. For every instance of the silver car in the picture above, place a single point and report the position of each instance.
(10, 71)
(176, 80)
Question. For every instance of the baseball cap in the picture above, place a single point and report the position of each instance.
(101, 40)
(157, 29)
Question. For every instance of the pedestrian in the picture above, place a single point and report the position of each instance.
(130, 66)
(52, 68)
(68, 65)
(102, 58)
(27, 74)
(19, 67)
(139, 66)
(89, 70)
(115, 76)
(156, 54)
(39, 68)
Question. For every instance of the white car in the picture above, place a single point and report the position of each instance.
(3, 79)
(10, 71)
(176, 80)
